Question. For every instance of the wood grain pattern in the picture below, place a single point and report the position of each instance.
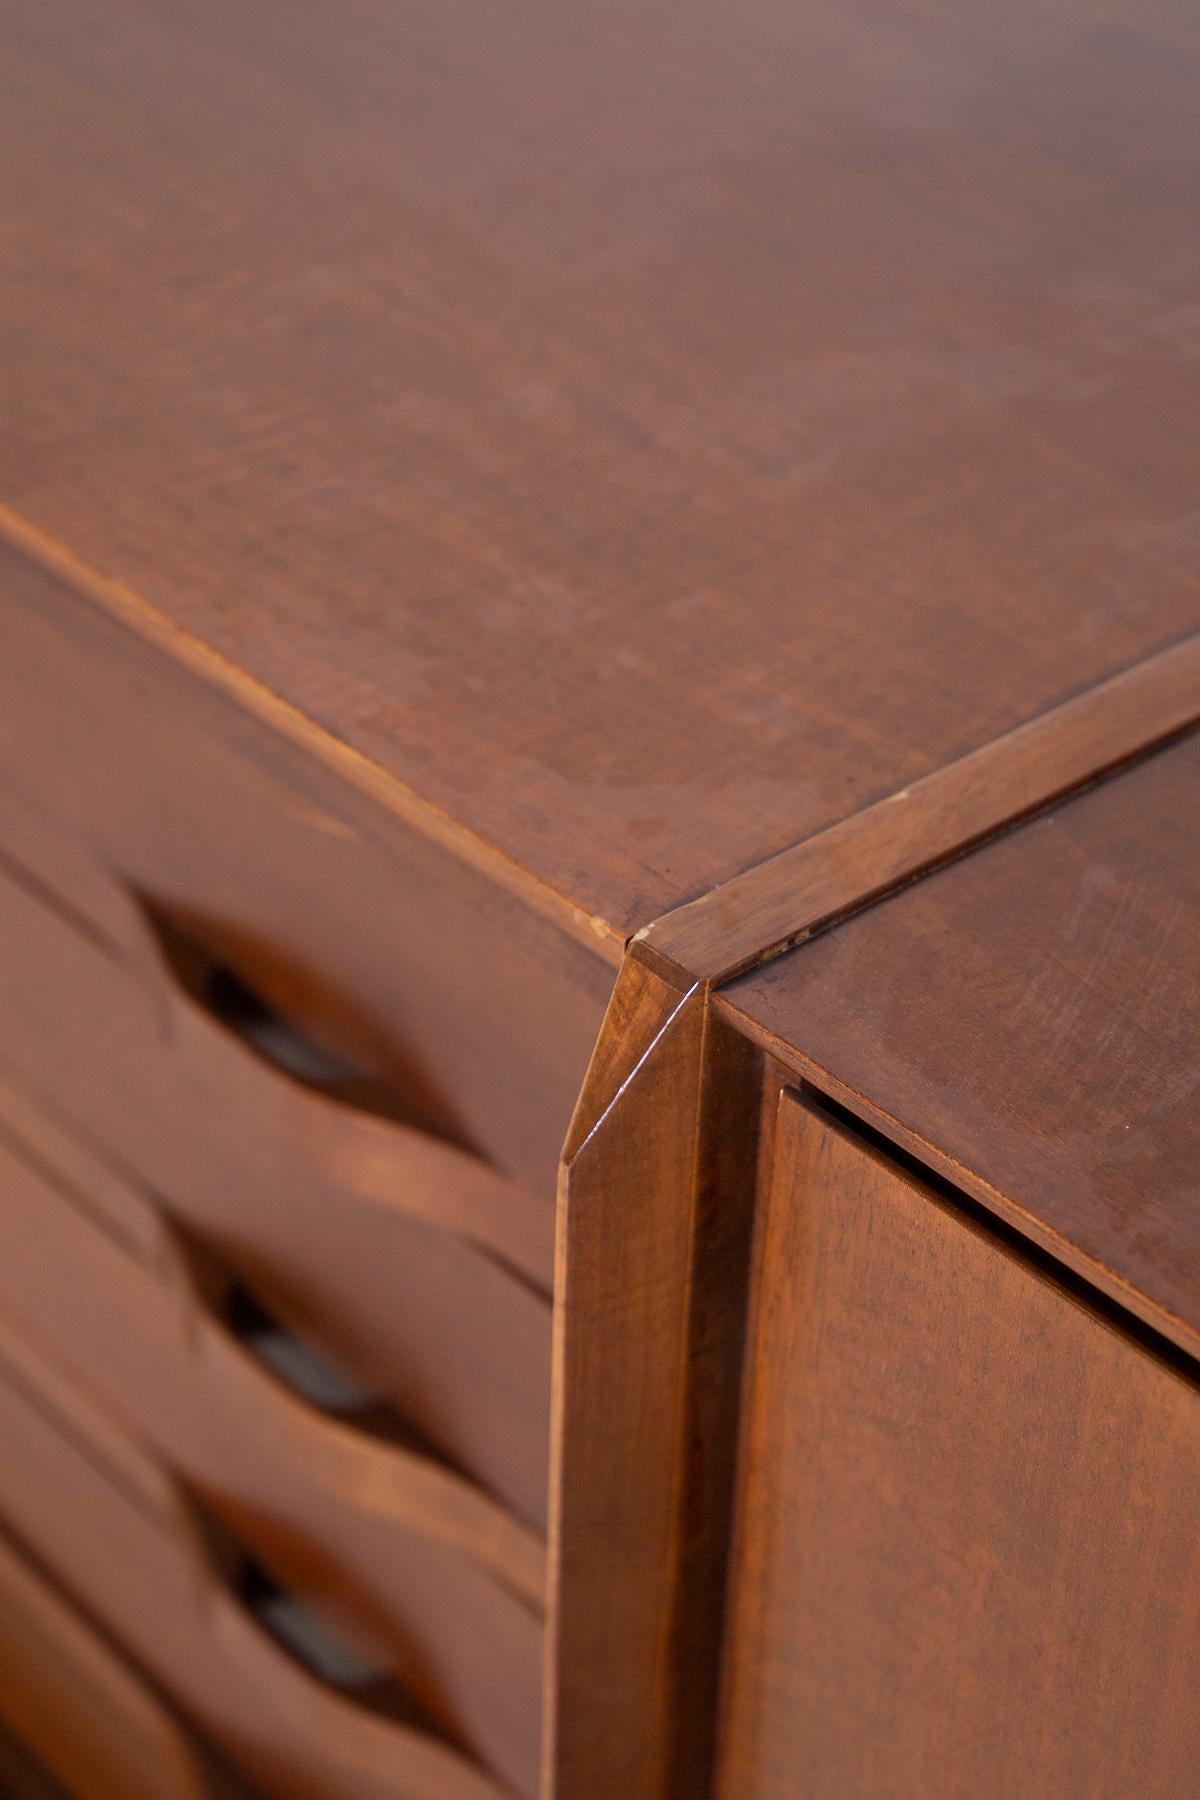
(416, 1171)
(345, 915)
(657, 1202)
(621, 1316)
(1026, 1021)
(120, 603)
(436, 1573)
(968, 1550)
(642, 511)
(476, 482)
(113, 1530)
(357, 1231)
(732, 1092)
(909, 833)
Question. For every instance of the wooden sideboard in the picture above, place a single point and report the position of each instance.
(599, 901)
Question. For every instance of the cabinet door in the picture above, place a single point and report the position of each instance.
(967, 1558)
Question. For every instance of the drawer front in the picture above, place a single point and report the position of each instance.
(283, 1080)
(81, 1713)
(429, 957)
(447, 1584)
(115, 1531)
(423, 1269)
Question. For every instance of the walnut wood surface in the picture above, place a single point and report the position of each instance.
(646, 438)
(909, 833)
(116, 1533)
(1027, 1021)
(399, 1253)
(1032, 1006)
(90, 1720)
(625, 1265)
(657, 1198)
(472, 483)
(967, 1550)
(434, 1571)
(375, 935)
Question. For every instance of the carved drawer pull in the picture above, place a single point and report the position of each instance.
(114, 1531)
(449, 1584)
(422, 1269)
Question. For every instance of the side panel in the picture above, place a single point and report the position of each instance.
(654, 1234)
(625, 1227)
(968, 1544)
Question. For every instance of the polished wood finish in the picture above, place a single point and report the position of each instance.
(653, 1237)
(186, 795)
(620, 1355)
(361, 1229)
(99, 1514)
(489, 500)
(434, 1572)
(939, 1443)
(646, 441)
(1022, 1020)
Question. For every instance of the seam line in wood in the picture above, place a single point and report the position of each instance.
(626, 1080)
(954, 809)
(138, 615)
(800, 1067)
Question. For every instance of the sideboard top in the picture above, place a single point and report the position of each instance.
(649, 433)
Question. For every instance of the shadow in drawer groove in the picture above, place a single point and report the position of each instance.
(419, 1269)
(167, 1590)
(327, 1490)
(295, 1042)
